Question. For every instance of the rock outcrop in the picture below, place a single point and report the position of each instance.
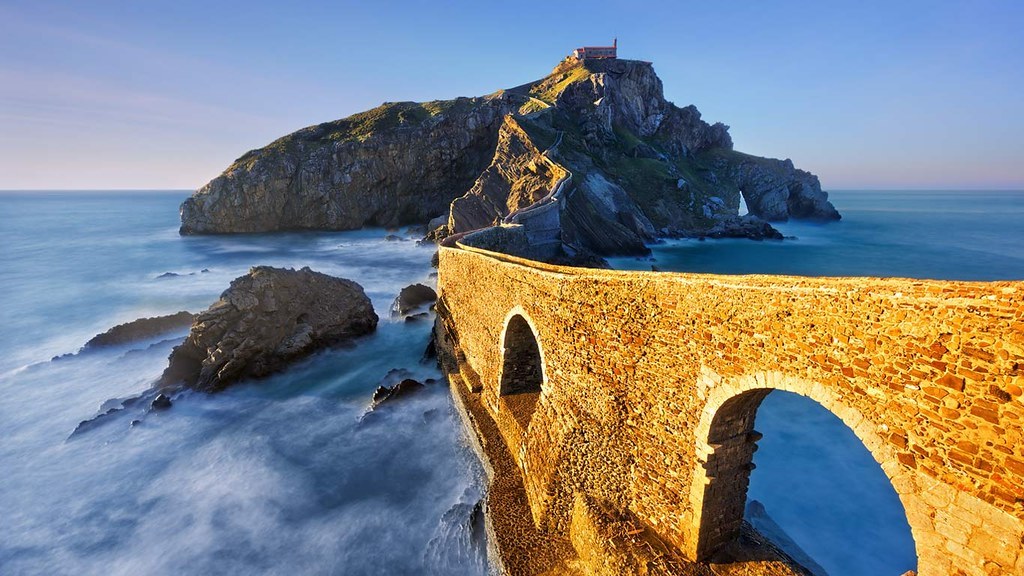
(388, 394)
(519, 175)
(140, 329)
(412, 297)
(265, 320)
(748, 226)
(595, 138)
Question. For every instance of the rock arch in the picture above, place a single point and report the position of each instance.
(726, 442)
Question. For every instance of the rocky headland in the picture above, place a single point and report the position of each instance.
(596, 141)
(264, 321)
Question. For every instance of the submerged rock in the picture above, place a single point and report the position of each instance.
(141, 329)
(265, 320)
(113, 408)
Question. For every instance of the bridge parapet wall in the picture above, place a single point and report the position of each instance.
(651, 382)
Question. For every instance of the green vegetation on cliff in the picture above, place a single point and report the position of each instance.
(358, 127)
(566, 74)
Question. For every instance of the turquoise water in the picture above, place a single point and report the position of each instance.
(912, 234)
(274, 477)
(280, 476)
(815, 478)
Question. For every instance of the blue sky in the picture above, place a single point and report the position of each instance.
(132, 94)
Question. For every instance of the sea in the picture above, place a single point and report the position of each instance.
(288, 475)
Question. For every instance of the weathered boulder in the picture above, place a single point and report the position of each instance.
(412, 297)
(141, 329)
(265, 320)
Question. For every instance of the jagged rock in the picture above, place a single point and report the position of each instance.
(438, 226)
(412, 297)
(384, 394)
(605, 219)
(111, 409)
(140, 329)
(518, 176)
(161, 402)
(265, 320)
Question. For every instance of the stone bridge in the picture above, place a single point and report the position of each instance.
(636, 392)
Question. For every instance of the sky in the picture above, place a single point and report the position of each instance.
(159, 95)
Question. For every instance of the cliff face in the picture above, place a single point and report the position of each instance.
(638, 166)
(519, 175)
(396, 164)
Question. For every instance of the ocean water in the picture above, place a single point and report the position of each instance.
(283, 476)
(948, 235)
(276, 477)
(815, 478)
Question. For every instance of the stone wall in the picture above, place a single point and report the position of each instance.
(650, 383)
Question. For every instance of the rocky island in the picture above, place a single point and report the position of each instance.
(595, 138)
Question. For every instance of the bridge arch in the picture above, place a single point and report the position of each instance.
(726, 442)
(522, 375)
